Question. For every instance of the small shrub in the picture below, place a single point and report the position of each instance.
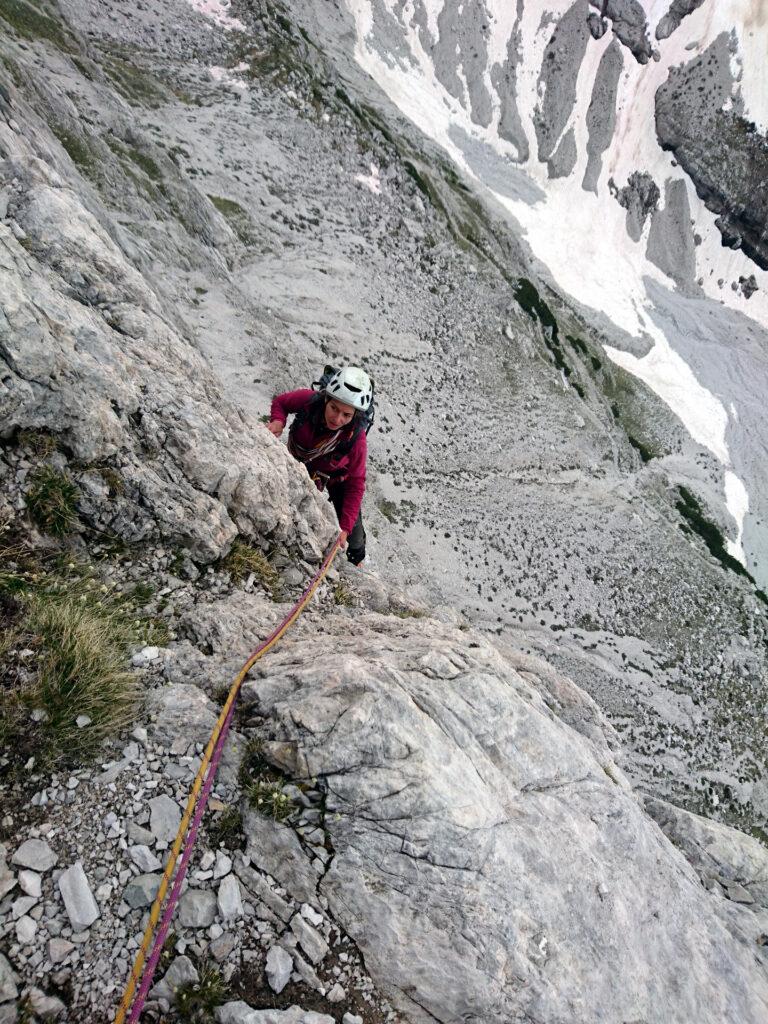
(343, 595)
(196, 1001)
(52, 501)
(243, 560)
(269, 798)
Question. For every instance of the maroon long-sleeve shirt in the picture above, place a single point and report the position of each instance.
(352, 464)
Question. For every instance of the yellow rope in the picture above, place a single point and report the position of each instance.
(154, 913)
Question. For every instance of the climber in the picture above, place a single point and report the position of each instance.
(329, 435)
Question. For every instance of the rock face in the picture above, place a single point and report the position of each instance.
(80, 316)
(489, 860)
(725, 155)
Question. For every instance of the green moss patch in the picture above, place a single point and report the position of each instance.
(32, 22)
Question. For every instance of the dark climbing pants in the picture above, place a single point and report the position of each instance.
(356, 539)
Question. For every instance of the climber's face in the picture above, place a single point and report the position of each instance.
(337, 414)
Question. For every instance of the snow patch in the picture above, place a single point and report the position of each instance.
(737, 503)
(218, 11)
(371, 181)
(225, 76)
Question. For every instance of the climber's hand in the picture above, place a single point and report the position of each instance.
(343, 538)
(275, 427)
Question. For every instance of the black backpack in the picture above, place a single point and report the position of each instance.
(363, 419)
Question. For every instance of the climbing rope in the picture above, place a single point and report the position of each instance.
(198, 798)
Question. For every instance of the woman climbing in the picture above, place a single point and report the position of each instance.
(329, 435)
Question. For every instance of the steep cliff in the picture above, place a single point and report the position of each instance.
(422, 814)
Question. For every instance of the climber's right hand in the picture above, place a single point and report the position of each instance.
(275, 427)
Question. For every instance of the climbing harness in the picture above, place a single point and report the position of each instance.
(142, 975)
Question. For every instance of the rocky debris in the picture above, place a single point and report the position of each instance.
(723, 153)
(678, 10)
(79, 903)
(241, 1013)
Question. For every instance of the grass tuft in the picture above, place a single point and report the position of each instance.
(243, 560)
(69, 658)
(52, 501)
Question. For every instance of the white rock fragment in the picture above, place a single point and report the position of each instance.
(26, 929)
(143, 858)
(310, 914)
(181, 972)
(145, 656)
(44, 1006)
(8, 989)
(82, 721)
(279, 968)
(35, 854)
(22, 906)
(337, 994)
(351, 1018)
(79, 903)
(164, 818)
(223, 865)
(207, 860)
(59, 950)
(197, 908)
(310, 940)
(7, 879)
(229, 899)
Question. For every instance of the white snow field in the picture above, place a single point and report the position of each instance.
(581, 236)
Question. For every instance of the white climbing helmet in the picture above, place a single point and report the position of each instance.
(352, 385)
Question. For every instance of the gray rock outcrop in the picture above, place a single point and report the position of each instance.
(699, 119)
(82, 339)
(629, 25)
(601, 114)
(488, 859)
(670, 239)
(678, 10)
(558, 76)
